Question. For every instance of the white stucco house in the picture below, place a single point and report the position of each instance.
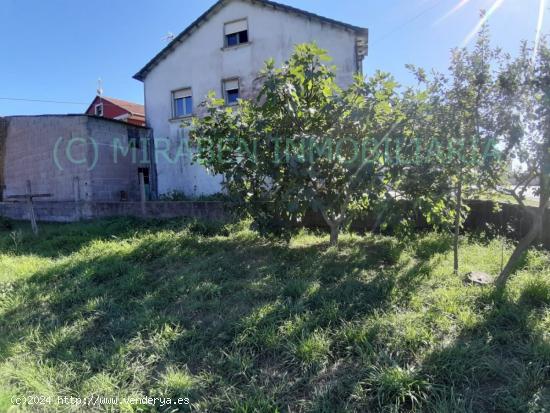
(223, 51)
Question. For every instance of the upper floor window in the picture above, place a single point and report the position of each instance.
(182, 103)
(231, 91)
(236, 33)
(99, 109)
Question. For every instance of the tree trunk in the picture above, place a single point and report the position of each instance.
(334, 224)
(334, 232)
(458, 219)
(521, 248)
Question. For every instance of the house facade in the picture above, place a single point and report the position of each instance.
(117, 109)
(223, 51)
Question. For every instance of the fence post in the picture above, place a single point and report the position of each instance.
(31, 209)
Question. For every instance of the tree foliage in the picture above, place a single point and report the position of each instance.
(463, 113)
(304, 143)
(526, 82)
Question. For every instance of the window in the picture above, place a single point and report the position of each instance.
(146, 182)
(145, 172)
(231, 91)
(183, 103)
(236, 33)
(133, 138)
(99, 109)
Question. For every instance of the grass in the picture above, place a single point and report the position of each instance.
(508, 199)
(234, 322)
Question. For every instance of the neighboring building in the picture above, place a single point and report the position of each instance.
(223, 50)
(117, 109)
(73, 157)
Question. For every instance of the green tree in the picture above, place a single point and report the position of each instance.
(526, 82)
(303, 143)
(464, 128)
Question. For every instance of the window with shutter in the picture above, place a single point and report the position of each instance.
(182, 103)
(231, 91)
(236, 33)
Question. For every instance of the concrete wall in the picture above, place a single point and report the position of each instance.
(3, 136)
(201, 63)
(75, 211)
(511, 221)
(115, 173)
(69, 156)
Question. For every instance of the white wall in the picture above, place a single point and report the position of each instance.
(199, 62)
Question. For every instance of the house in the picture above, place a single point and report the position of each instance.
(117, 109)
(223, 51)
(73, 158)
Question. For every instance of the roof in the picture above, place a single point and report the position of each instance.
(131, 107)
(221, 3)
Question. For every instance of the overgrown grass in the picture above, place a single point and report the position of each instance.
(238, 323)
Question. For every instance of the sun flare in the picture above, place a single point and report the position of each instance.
(487, 15)
(454, 10)
(540, 21)
(484, 18)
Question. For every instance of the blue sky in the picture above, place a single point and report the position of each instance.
(57, 49)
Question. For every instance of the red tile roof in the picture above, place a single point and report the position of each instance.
(133, 108)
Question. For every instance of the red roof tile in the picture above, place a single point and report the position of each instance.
(133, 108)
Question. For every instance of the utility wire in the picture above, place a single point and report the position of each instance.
(406, 23)
(43, 101)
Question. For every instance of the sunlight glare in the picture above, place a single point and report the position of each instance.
(453, 11)
(542, 7)
(496, 5)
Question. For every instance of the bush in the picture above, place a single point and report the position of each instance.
(5, 224)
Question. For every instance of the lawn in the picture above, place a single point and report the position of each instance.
(235, 322)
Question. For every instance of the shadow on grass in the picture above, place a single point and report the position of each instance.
(502, 364)
(258, 325)
(59, 239)
(220, 305)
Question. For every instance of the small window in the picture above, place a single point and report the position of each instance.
(183, 103)
(133, 138)
(145, 172)
(231, 91)
(99, 109)
(236, 33)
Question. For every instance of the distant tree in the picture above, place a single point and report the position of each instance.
(303, 144)
(526, 83)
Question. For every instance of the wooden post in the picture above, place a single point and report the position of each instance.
(28, 197)
(31, 209)
(142, 193)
